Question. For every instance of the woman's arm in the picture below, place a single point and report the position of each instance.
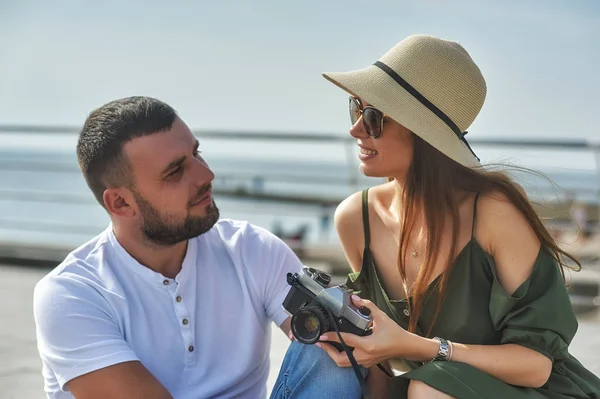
(511, 363)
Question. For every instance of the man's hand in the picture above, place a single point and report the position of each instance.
(286, 328)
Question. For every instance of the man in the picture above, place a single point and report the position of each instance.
(169, 301)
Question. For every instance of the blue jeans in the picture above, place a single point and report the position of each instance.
(307, 372)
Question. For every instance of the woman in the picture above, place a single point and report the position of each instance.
(465, 284)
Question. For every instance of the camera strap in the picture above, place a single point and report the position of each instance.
(355, 366)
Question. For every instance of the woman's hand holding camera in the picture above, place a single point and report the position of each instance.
(387, 341)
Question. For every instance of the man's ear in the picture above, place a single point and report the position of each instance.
(119, 201)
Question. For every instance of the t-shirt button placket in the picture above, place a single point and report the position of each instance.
(185, 322)
(185, 325)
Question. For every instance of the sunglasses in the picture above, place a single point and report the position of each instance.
(372, 117)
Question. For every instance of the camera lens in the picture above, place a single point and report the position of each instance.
(309, 323)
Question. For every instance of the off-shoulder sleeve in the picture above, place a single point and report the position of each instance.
(539, 314)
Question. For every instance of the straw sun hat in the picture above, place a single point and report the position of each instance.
(427, 84)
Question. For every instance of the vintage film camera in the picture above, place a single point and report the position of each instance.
(316, 307)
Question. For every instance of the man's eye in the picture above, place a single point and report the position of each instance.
(175, 172)
(197, 153)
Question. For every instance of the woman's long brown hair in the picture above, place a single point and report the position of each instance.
(430, 188)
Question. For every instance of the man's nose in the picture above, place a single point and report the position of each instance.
(204, 172)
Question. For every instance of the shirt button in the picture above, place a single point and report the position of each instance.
(166, 282)
(406, 312)
(178, 299)
(191, 348)
(185, 322)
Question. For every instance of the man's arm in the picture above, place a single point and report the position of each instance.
(79, 340)
(270, 260)
(129, 380)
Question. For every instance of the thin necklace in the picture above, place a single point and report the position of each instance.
(414, 253)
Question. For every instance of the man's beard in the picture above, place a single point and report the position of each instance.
(167, 230)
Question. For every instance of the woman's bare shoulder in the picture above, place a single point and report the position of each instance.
(504, 231)
(349, 212)
(349, 225)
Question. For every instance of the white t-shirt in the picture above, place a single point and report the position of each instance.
(204, 334)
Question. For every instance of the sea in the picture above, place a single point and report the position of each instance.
(45, 201)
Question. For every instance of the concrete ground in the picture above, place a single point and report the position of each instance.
(20, 376)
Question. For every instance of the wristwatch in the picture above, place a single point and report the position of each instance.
(443, 351)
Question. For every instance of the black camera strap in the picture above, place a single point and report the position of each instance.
(355, 366)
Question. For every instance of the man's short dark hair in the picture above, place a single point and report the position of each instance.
(105, 132)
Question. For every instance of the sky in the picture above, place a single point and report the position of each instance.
(256, 65)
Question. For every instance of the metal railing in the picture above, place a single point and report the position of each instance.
(241, 176)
